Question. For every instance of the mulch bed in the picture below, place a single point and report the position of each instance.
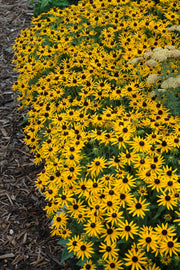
(25, 241)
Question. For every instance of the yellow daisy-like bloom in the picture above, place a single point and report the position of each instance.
(60, 220)
(93, 229)
(169, 246)
(64, 233)
(128, 229)
(139, 144)
(138, 207)
(148, 239)
(114, 217)
(84, 249)
(135, 259)
(72, 244)
(114, 264)
(126, 183)
(111, 234)
(164, 232)
(167, 200)
(153, 267)
(89, 265)
(97, 166)
(109, 251)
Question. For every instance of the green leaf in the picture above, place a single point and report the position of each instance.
(62, 242)
(31, 2)
(81, 263)
(44, 3)
(61, 3)
(10, 49)
(66, 255)
(161, 208)
(122, 241)
(24, 121)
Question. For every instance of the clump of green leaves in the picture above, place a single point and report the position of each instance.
(45, 5)
(167, 88)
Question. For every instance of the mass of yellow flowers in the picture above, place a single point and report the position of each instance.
(100, 83)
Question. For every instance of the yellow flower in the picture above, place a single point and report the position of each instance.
(138, 207)
(169, 246)
(167, 200)
(97, 166)
(109, 251)
(135, 259)
(128, 229)
(94, 229)
(148, 239)
(84, 249)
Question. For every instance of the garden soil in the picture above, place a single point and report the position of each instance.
(25, 241)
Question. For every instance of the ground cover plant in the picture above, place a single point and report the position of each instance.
(45, 5)
(95, 83)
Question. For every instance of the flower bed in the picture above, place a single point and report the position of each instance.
(109, 146)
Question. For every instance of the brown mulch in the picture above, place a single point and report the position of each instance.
(25, 241)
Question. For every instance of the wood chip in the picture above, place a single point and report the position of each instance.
(8, 255)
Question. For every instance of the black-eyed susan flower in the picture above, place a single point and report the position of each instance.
(110, 234)
(135, 259)
(138, 207)
(170, 246)
(115, 264)
(126, 183)
(167, 200)
(139, 144)
(60, 220)
(72, 243)
(114, 217)
(89, 265)
(109, 251)
(84, 249)
(164, 231)
(94, 229)
(97, 166)
(148, 239)
(128, 229)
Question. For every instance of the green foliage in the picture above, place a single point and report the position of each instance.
(45, 5)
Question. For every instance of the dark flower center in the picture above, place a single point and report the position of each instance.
(141, 143)
(170, 244)
(127, 228)
(134, 259)
(109, 231)
(164, 143)
(169, 173)
(122, 196)
(108, 248)
(83, 247)
(125, 180)
(112, 265)
(170, 183)
(156, 181)
(138, 206)
(148, 239)
(75, 206)
(167, 198)
(109, 203)
(164, 232)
